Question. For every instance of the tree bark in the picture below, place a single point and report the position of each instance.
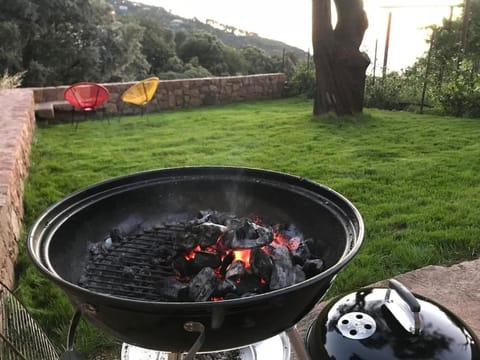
(339, 64)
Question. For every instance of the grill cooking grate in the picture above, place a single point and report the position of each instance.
(21, 338)
(130, 266)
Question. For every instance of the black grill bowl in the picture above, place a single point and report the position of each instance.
(58, 245)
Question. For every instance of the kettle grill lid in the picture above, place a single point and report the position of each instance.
(389, 323)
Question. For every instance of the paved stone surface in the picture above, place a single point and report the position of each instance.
(456, 287)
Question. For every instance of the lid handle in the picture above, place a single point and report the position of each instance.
(410, 300)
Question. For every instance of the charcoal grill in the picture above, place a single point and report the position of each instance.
(59, 240)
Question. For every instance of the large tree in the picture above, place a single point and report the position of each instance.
(339, 64)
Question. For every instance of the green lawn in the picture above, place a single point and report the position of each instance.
(414, 178)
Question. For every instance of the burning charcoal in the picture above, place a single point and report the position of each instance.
(250, 284)
(220, 218)
(244, 234)
(203, 215)
(283, 272)
(261, 263)
(170, 289)
(227, 260)
(202, 286)
(280, 253)
(299, 250)
(208, 233)
(291, 231)
(313, 267)
(224, 287)
(298, 274)
(236, 270)
(204, 259)
(180, 264)
(185, 242)
(247, 257)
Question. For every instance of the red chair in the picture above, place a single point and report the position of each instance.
(86, 96)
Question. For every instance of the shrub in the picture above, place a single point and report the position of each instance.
(302, 81)
(460, 96)
(396, 91)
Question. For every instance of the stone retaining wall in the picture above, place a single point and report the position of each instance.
(17, 123)
(175, 94)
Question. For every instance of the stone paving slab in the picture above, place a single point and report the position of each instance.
(456, 287)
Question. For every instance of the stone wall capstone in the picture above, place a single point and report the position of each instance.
(17, 124)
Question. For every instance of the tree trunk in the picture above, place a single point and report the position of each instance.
(339, 64)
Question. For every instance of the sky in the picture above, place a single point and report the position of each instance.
(289, 21)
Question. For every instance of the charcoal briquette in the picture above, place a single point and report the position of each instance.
(202, 286)
(313, 267)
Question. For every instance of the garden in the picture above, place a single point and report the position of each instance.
(414, 179)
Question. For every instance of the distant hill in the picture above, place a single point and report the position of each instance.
(229, 35)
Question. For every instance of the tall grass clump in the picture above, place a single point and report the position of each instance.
(8, 81)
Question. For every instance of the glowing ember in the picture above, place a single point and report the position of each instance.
(191, 254)
(243, 256)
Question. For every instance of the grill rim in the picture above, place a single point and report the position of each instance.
(54, 216)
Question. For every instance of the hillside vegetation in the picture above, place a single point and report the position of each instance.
(229, 35)
(59, 43)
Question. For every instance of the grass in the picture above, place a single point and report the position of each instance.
(414, 178)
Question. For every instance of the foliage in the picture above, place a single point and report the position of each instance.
(61, 42)
(11, 81)
(228, 35)
(207, 49)
(414, 178)
(453, 72)
(158, 44)
(257, 60)
(396, 91)
(194, 70)
(460, 96)
(302, 81)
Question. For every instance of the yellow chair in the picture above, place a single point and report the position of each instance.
(141, 93)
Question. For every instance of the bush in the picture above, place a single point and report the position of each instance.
(460, 96)
(302, 81)
(395, 91)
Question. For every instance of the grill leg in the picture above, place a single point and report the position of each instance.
(175, 356)
(193, 326)
(73, 328)
(297, 343)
